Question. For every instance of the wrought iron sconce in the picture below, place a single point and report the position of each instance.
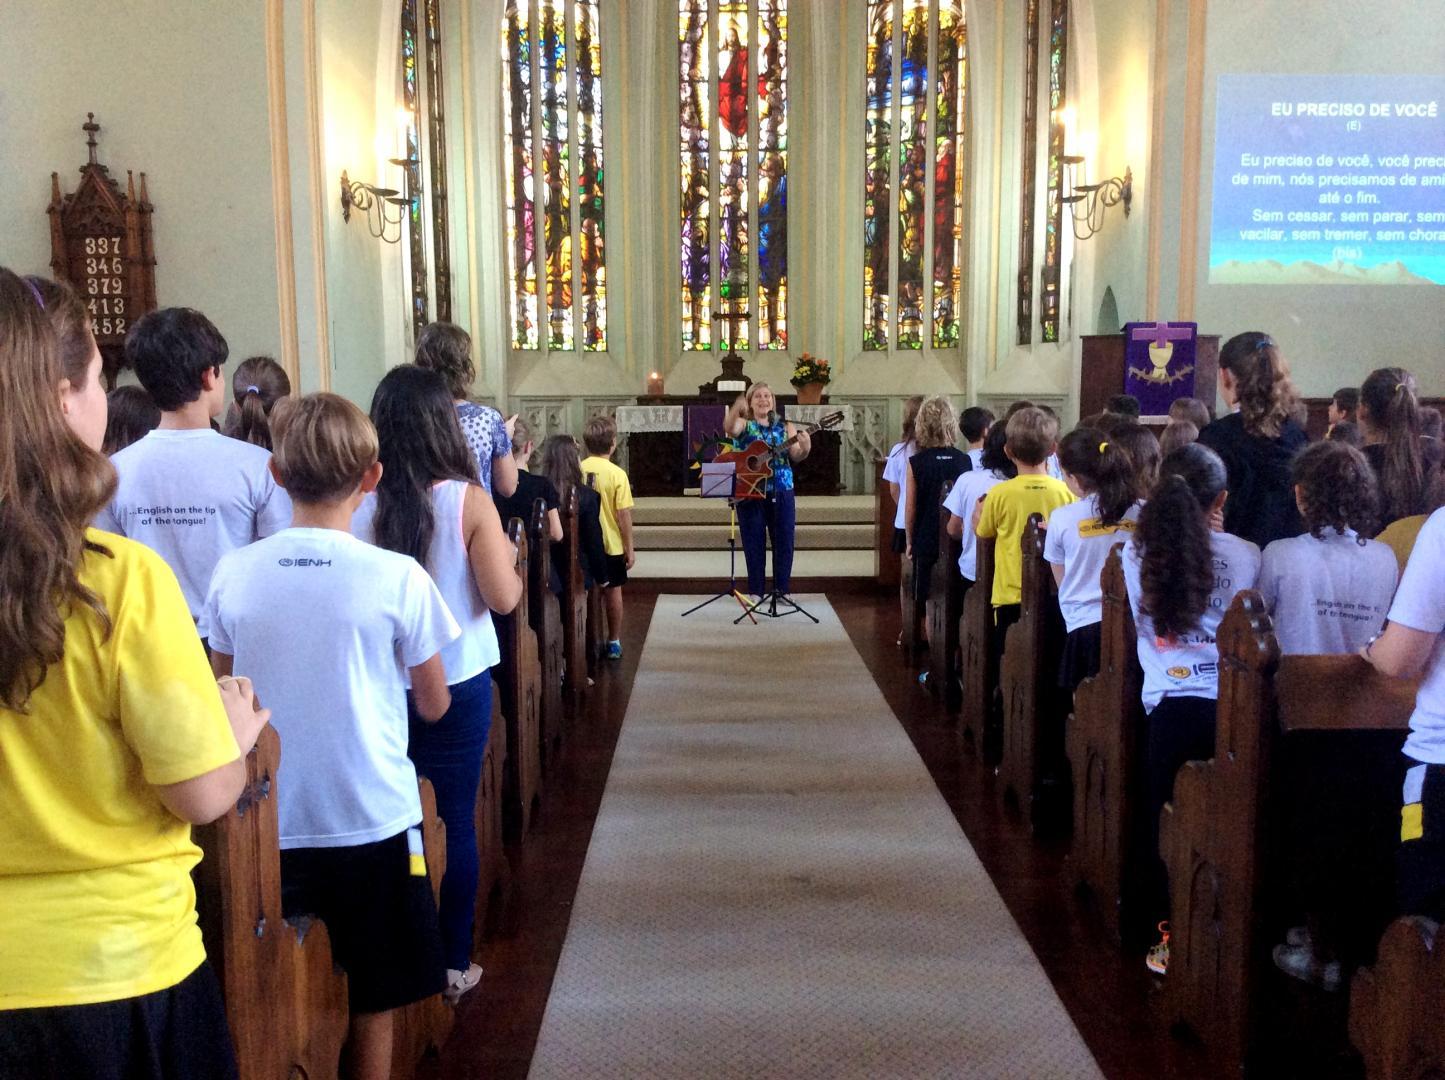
(373, 202)
(1090, 202)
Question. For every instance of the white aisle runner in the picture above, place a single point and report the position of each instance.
(776, 888)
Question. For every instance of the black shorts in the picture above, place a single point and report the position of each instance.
(1421, 858)
(616, 571)
(381, 917)
(923, 576)
(900, 541)
(179, 1033)
(1082, 651)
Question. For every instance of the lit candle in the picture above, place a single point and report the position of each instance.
(654, 384)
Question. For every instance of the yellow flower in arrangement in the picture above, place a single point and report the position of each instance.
(811, 369)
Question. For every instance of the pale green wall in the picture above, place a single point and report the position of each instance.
(180, 92)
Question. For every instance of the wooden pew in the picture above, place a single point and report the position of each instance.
(491, 841)
(943, 611)
(975, 635)
(519, 675)
(546, 619)
(574, 611)
(596, 630)
(1215, 835)
(1396, 1006)
(285, 999)
(1033, 705)
(1102, 741)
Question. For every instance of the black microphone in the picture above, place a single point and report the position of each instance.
(772, 417)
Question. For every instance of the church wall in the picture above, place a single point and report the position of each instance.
(1333, 335)
(180, 91)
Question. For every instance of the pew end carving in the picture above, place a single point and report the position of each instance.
(1102, 742)
(1031, 761)
(1396, 1006)
(545, 614)
(520, 678)
(975, 634)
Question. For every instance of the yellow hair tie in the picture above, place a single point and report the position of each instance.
(1101, 446)
(1399, 386)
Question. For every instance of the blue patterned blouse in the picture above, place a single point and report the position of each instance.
(782, 465)
(486, 435)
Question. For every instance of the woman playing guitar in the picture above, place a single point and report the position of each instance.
(754, 417)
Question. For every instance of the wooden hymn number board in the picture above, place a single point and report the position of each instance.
(101, 243)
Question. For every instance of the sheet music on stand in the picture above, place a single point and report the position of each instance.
(718, 479)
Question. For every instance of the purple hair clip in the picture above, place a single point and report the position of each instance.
(40, 300)
(251, 390)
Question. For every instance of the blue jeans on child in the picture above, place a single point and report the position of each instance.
(449, 754)
(760, 519)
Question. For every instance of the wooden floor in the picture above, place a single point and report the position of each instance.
(1108, 994)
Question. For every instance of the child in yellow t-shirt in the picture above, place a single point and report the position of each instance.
(611, 483)
(1004, 512)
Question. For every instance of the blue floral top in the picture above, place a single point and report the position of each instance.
(782, 465)
(486, 435)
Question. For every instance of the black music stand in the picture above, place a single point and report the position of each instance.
(767, 606)
(719, 481)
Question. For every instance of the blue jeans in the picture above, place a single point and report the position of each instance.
(449, 754)
(775, 517)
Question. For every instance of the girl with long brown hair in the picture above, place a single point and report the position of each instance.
(1258, 440)
(256, 385)
(1389, 412)
(114, 739)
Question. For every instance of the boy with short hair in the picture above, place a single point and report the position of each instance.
(186, 491)
(611, 483)
(336, 683)
(1343, 406)
(1004, 511)
(973, 425)
(1124, 405)
(1191, 409)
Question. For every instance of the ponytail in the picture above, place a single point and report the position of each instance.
(1104, 468)
(1390, 407)
(1176, 555)
(1266, 395)
(257, 384)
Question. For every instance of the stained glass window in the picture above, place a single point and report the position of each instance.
(411, 103)
(1026, 174)
(733, 172)
(914, 132)
(1049, 292)
(552, 108)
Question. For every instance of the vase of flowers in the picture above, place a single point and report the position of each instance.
(810, 375)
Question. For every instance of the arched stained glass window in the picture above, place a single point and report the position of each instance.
(914, 145)
(552, 104)
(1050, 290)
(733, 172)
(1051, 272)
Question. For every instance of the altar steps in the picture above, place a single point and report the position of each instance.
(686, 538)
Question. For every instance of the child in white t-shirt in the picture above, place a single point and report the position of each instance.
(1329, 589)
(993, 469)
(328, 628)
(895, 472)
(1081, 535)
(186, 491)
(1411, 646)
(1182, 577)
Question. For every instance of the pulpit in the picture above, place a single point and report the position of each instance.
(1103, 370)
(662, 432)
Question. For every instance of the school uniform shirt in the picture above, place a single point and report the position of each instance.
(964, 496)
(191, 496)
(1261, 506)
(1078, 539)
(325, 626)
(895, 471)
(611, 483)
(530, 488)
(1006, 513)
(975, 457)
(1400, 536)
(1327, 594)
(1188, 666)
(450, 567)
(934, 471)
(1420, 605)
(96, 898)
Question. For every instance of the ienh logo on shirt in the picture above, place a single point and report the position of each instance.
(303, 562)
(1096, 527)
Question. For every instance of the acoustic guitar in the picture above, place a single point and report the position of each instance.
(755, 461)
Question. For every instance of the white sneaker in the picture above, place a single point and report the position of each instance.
(459, 982)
